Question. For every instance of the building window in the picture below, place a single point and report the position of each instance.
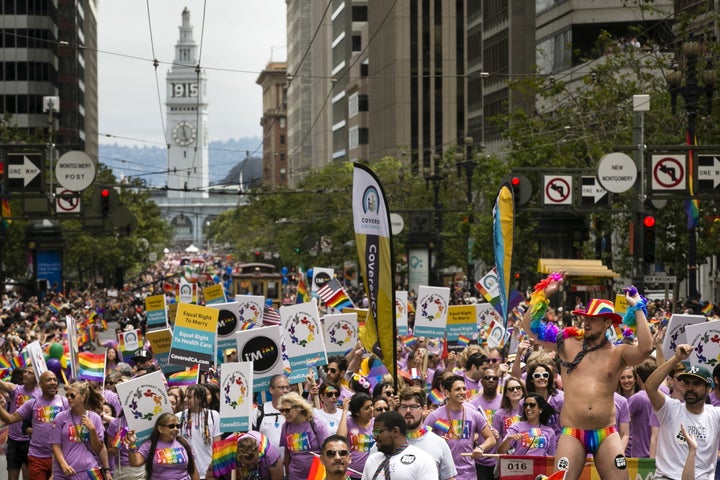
(282, 122)
(282, 139)
(282, 157)
(356, 43)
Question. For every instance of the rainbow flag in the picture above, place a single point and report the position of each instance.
(317, 470)
(707, 309)
(443, 425)
(302, 293)
(464, 341)
(92, 366)
(104, 324)
(55, 306)
(18, 361)
(436, 396)
(95, 474)
(224, 454)
(333, 295)
(4, 362)
(115, 442)
(409, 341)
(187, 377)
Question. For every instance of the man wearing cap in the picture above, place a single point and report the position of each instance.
(700, 420)
(143, 363)
(590, 367)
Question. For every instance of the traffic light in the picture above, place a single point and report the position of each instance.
(649, 239)
(257, 254)
(105, 201)
(522, 188)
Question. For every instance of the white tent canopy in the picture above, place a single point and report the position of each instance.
(192, 249)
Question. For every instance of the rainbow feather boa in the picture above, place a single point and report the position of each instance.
(544, 331)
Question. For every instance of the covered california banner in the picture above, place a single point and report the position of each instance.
(374, 243)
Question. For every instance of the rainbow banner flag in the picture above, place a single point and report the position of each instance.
(187, 377)
(92, 366)
(436, 396)
(442, 425)
(224, 455)
(463, 341)
(4, 362)
(18, 361)
(707, 309)
(302, 293)
(55, 306)
(317, 470)
(95, 474)
(409, 341)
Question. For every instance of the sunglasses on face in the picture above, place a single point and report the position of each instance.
(382, 409)
(172, 426)
(331, 370)
(538, 375)
(331, 393)
(286, 410)
(514, 388)
(494, 360)
(334, 453)
(530, 405)
(490, 378)
(71, 396)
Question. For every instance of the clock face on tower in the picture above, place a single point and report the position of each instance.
(184, 133)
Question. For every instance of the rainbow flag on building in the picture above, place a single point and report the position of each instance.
(92, 366)
(187, 377)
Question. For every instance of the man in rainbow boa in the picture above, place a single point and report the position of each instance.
(590, 366)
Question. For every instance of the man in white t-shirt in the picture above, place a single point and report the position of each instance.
(396, 459)
(700, 420)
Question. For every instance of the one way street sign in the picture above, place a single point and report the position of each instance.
(592, 192)
(708, 172)
(24, 172)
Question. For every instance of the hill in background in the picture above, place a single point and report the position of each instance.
(226, 160)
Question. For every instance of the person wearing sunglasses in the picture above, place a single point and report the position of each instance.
(335, 457)
(396, 458)
(380, 405)
(510, 407)
(301, 435)
(488, 402)
(329, 411)
(77, 434)
(590, 366)
(18, 441)
(540, 380)
(531, 435)
(257, 458)
(166, 455)
(357, 427)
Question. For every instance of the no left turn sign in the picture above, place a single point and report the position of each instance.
(67, 201)
(668, 172)
(558, 190)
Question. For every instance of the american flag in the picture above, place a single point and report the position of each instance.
(270, 316)
(333, 295)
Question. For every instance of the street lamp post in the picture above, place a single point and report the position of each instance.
(691, 92)
(466, 164)
(435, 177)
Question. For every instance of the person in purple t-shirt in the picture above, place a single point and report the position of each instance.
(19, 442)
(77, 434)
(257, 459)
(166, 455)
(301, 435)
(41, 412)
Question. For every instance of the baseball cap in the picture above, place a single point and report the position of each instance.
(142, 354)
(697, 371)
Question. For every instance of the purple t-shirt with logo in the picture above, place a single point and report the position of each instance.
(17, 398)
(42, 412)
(299, 441)
(170, 461)
(112, 431)
(74, 440)
(361, 441)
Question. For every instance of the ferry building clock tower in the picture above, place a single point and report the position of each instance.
(186, 107)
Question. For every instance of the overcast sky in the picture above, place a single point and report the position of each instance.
(239, 35)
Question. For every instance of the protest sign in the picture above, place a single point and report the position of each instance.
(304, 345)
(194, 336)
(142, 400)
(461, 326)
(214, 294)
(675, 333)
(263, 347)
(236, 380)
(340, 333)
(129, 342)
(155, 312)
(431, 311)
(401, 312)
(160, 341)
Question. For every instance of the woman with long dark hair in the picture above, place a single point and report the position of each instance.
(532, 435)
(541, 380)
(200, 425)
(358, 428)
(170, 455)
(77, 434)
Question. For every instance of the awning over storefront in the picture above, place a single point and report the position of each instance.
(576, 268)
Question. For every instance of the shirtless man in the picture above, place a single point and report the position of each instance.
(590, 367)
